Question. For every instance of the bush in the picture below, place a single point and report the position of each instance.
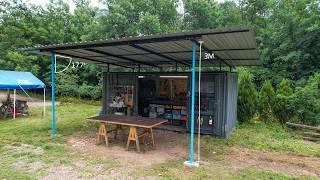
(266, 102)
(67, 85)
(247, 97)
(90, 92)
(305, 102)
(281, 110)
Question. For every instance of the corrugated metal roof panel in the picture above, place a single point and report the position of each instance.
(233, 46)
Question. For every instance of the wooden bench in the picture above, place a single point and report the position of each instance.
(132, 122)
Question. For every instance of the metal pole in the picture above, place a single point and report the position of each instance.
(14, 104)
(53, 123)
(199, 101)
(192, 98)
(44, 101)
(191, 163)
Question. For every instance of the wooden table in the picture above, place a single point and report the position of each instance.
(133, 122)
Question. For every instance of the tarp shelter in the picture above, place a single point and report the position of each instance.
(228, 47)
(17, 80)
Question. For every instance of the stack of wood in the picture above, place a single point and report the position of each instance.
(312, 133)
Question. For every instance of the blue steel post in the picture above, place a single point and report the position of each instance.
(194, 47)
(53, 123)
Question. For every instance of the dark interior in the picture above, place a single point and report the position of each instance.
(164, 97)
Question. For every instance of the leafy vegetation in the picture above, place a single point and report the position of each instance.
(247, 97)
(305, 102)
(266, 101)
(281, 110)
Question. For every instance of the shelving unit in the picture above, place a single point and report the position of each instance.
(126, 94)
(172, 112)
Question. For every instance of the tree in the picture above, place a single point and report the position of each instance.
(130, 17)
(288, 41)
(247, 97)
(305, 102)
(83, 22)
(266, 102)
(281, 110)
(203, 14)
(149, 24)
(287, 32)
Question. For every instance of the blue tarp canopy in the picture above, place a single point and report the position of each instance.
(19, 80)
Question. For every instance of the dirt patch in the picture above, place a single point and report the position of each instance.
(21, 160)
(61, 172)
(22, 164)
(169, 146)
(288, 163)
(24, 149)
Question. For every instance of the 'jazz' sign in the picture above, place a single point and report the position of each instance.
(208, 55)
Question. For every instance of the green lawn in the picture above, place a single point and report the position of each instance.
(21, 139)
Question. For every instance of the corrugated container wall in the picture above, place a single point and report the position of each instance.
(219, 93)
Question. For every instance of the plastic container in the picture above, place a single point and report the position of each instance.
(168, 115)
(152, 114)
(184, 117)
(184, 112)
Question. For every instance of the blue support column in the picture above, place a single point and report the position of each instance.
(53, 123)
(191, 162)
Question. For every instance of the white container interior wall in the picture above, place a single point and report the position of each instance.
(218, 98)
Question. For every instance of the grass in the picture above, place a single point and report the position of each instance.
(273, 137)
(176, 170)
(35, 131)
(251, 173)
(70, 117)
(260, 136)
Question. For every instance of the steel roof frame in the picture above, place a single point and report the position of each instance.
(125, 58)
(158, 54)
(93, 60)
(137, 40)
(121, 58)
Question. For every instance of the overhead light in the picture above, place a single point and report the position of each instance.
(140, 77)
(177, 77)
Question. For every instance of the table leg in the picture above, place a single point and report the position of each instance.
(102, 134)
(133, 136)
(151, 135)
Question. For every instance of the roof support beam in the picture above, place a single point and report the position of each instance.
(125, 58)
(219, 58)
(93, 60)
(188, 60)
(175, 52)
(158, 54)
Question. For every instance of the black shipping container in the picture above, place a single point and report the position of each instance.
(218, 98)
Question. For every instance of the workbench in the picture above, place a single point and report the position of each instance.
(133, 122)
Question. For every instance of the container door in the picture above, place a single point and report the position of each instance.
(207, 103)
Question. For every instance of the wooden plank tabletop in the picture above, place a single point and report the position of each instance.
(136, 121)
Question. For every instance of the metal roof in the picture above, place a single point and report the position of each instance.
(231, 46)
